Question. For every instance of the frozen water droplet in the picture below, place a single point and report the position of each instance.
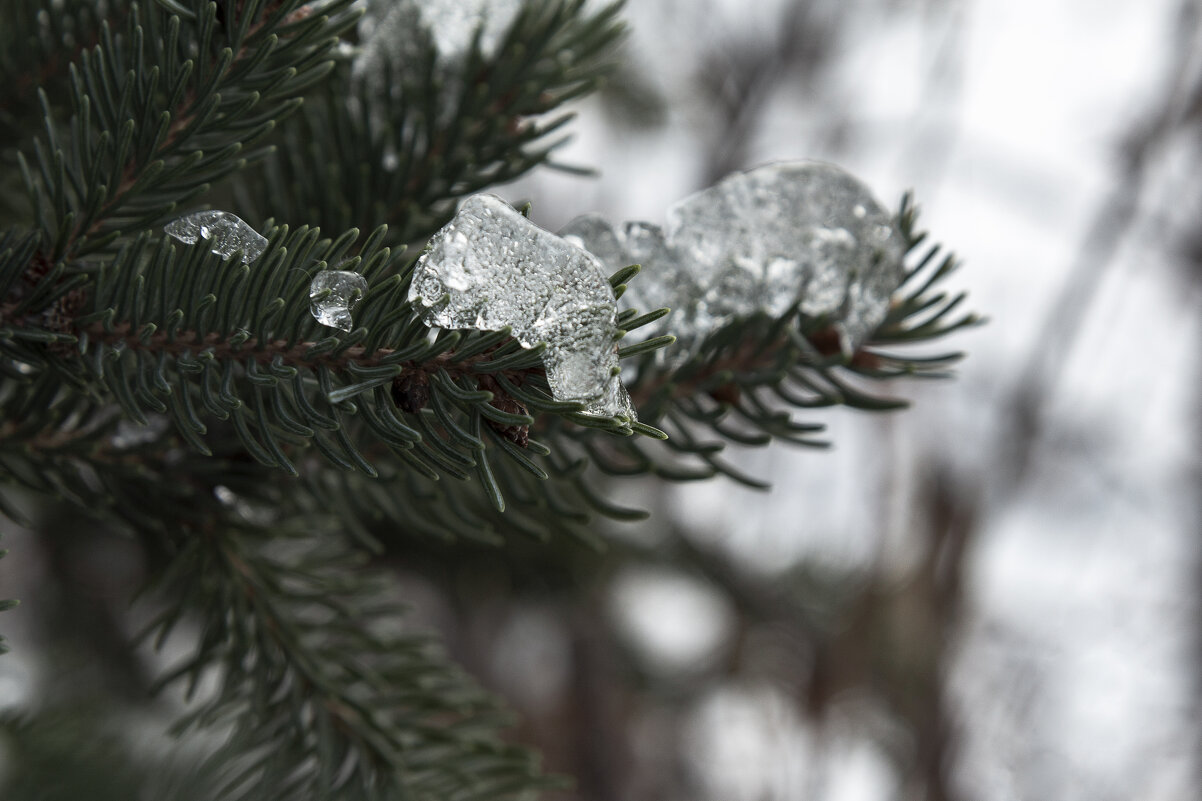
(227, 234)
(333, 295)
(490, 267)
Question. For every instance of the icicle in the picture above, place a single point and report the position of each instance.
(490, 267)
(226, 233)
(333, 295)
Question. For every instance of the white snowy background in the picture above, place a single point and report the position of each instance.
(1075, 661)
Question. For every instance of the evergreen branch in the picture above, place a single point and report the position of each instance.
(326, 698)
(743, 382)
(32, 47)
(165, 108)
(223, 348)
(5, 605)
(400, 149)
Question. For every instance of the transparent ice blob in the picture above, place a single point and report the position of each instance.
(795, 233)
(490, 267)
(662, 282)
(333, 295)
(802, 232)
(226, 234)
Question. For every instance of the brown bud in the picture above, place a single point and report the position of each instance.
(411, 391)
(826, 341)
(726, 393)
(60, 318)
(518, 435)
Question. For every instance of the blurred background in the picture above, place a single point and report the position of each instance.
(993, 595)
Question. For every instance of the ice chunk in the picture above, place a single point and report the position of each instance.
(794, 232)
(333, 308)
(662, 282)
(226, 233)
(490, 267)
(594, 233)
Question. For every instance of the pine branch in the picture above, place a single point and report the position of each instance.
(163, 108)
(176, 335)
(400, 148)
(325, 697)
(744, 383)
(36, 50)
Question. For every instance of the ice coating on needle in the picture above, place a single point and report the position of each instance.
(796, 231)
(226, 234)
(334, 309)
(490, 267)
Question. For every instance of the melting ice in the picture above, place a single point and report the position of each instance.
(663, 280)
(760, 241)
(333, 295)
(226, 234)
(490, 267)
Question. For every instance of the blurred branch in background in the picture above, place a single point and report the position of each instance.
(738, 76)
(909, 638)
(1176, 114)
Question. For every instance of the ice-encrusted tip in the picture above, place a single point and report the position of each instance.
(490, 267)
(226, 233)
(333, 308)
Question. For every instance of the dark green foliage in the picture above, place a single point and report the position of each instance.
(385, 714)
(403, 159)
(263, 459)
(37, 749)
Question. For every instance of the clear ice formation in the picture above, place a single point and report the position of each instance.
(394, 31)
(760, 241)
(490, 267)
(226, 233)
(662, 282)
(346, 289)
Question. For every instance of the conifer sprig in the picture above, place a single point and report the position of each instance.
(160, 109)
(259, 457)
